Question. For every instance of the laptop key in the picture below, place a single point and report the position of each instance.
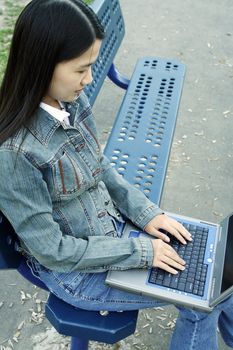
(181, 287)
(182, 280)
(191, 278)
(160, 275)
(167, 277)
(203, 278)
(189, 287)
(166, 283)
(159, 278)
(174, 283)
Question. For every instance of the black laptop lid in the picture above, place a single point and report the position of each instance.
(227, 280)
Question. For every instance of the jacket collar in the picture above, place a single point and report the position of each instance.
(44, 125)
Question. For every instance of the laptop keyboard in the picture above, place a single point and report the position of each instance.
(192, 279)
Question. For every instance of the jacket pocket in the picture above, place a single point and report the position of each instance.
(89, 129)
(67, 176)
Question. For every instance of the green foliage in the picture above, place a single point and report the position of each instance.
(11, 11)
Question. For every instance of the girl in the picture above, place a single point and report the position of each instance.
(64, 200)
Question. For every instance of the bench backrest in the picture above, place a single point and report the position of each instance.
(110, 14)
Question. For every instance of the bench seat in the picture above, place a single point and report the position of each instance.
(141, 137)
(72, 321)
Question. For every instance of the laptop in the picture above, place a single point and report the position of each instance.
(208, 277)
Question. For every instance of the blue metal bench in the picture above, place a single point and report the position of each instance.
(139, 147)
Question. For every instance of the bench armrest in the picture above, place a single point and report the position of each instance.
(117, 78)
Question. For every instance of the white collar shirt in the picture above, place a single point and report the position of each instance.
(60, 114)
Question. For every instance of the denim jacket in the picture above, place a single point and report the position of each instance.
(60, 193)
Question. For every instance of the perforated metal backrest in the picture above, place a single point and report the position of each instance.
(9, 257)
(140, 142)
(110, 14)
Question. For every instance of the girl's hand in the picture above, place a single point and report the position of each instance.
(170, 225)
(166, 258)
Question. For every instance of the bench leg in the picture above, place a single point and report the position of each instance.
(78, 344)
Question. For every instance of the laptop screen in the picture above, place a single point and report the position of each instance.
(227, 280)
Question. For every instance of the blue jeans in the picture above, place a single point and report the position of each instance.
(194, 330)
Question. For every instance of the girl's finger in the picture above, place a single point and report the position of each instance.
(160, 235)
(173, 231)
(181, 229)
(172, 263)
(171, 253)
(167, 268)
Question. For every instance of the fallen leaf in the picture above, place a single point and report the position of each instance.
(201, 133)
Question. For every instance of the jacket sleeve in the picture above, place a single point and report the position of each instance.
(130, 201)
(26, 202)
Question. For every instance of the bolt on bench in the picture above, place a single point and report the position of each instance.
(139, 147)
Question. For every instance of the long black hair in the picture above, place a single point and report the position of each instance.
(47, 32)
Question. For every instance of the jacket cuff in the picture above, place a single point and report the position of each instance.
(147, 215)
(147, 255)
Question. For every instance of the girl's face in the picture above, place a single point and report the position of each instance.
(70, 77)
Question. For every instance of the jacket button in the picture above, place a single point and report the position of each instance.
(106, 202)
